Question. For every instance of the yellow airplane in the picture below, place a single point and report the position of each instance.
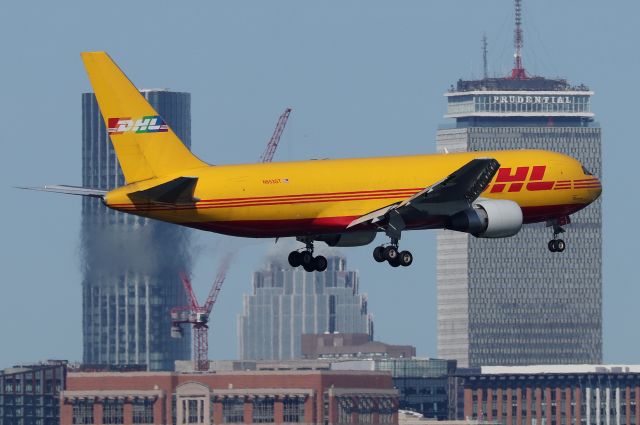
(343, 202)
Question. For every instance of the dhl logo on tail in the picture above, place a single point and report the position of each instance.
(150, 124)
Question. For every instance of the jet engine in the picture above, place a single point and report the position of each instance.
(348, 239)
(489, 218)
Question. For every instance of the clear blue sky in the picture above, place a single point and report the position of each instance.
(364, 78)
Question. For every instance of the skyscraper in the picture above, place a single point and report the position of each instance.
(511, 301)
(287, 303)
(131, 265)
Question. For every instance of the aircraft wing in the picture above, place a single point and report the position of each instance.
(450, 195)
(69, 190)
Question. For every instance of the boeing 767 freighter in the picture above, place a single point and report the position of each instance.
(342, 202)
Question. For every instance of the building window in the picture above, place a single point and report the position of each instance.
(385, 410)
(113, 412)
(345, 408)
(232, 410)
(82, 412)
(142, 411)
(263, 410)
(365, 410)
(293, 409)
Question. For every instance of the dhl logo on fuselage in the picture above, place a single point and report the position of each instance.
(148, 124)
(532, 178)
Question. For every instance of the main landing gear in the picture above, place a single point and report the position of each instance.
(306, 259)
(555, 244)
(392, 255)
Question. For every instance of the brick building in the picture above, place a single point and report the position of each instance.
(310, 397)
(554, 395)
(350, 345)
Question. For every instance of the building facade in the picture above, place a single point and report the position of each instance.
(554, 395)
(309, 397)
(287, 303)
(131, 265)
(344, 346)
(30, 395)
(422, 384)
(511, 301)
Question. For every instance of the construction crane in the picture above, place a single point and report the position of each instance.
(198, 315)
(270, 150)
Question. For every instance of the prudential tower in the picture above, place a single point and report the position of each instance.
(511, 301)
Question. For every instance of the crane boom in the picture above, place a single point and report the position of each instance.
(217, 284)
(270, 150)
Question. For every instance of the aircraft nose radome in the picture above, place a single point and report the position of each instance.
(598, 190)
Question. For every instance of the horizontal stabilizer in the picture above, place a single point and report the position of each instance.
(176, 191)
(69, 190)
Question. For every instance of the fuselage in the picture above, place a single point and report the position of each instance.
(324, 196)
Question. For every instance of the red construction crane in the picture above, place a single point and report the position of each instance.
(268, 153)
(198, 316)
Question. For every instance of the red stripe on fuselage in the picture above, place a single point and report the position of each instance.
(332, 225)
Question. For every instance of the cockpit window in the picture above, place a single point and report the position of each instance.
(586, 172)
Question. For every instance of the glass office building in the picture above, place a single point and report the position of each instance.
(511, 301)
(287, 303)
(423, 384)
(131, 265)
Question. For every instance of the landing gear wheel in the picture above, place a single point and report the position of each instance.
(378, 254)
(306, 259)
(405, 258)
(309, 267)
(560, 245)
(395, 262)
(320, 263)
(552, 245)
(295, 258)
(390, 253)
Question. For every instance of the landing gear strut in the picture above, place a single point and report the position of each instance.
(555, 244)
(306, 259)
(391, 254)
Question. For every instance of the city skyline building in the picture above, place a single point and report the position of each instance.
(510, 301)
(287, 303)
(553, 394)
(131, 265)
(30, 394)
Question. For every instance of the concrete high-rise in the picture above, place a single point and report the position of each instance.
(131, 265)
(511, 301)
(287, 303)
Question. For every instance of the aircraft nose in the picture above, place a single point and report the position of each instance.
(596, 191)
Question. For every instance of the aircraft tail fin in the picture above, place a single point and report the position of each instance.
(145, 145)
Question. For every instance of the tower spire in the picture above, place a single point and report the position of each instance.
(485, 72)
(518, 72)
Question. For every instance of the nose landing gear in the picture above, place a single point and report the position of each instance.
(555, 244)
(306, 259)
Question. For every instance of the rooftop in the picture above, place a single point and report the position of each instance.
(509, 84)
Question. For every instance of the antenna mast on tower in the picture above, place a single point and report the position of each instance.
(485, 74)
(518, 72)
